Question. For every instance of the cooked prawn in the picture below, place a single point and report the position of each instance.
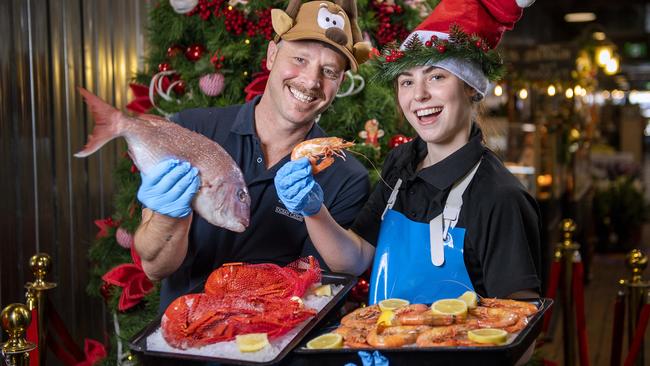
(420, 314)
(364, 317)
(494, 317)
(394, 337)
(353, 337)
(519, 307)
(324, 148)
(437, 337)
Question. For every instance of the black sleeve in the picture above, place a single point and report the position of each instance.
(510, 244)
(368, 222)
(345, 207)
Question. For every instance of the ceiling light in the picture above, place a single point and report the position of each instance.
(579, 17)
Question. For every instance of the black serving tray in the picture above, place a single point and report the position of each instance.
(138, 343)
(507, 354)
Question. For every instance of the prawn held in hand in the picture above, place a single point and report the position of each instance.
(323, 148)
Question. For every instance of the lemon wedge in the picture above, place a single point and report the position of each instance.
(326, 341)
(450, 307)
(392, 304)
(470, 298)
(252, 342)
(386, 318)
(488, 335)
(323, 290)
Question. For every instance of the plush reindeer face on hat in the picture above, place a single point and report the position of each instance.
(324, 21)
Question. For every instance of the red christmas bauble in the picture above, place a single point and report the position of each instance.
(359, 292)
(194, 52)
(174, 51)
(397, 140)
(164, 67)
(179, 88)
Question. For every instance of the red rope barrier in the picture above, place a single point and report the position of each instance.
(62, 332)
(32, 336)
(617, 330)
(551, 292)
(638, 335)
(579, 295)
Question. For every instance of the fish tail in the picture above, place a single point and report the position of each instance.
(106, 123)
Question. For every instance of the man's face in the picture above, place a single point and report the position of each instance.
(304, 78)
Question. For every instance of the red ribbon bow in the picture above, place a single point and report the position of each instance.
(104, 225)
(141, 103)
(130, 276)
(94, 352)
(257, 86)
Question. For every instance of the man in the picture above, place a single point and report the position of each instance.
(317, 41)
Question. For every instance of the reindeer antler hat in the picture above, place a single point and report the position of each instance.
(458, 36)
(334, 23)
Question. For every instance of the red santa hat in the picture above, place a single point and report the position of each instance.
(459, 36)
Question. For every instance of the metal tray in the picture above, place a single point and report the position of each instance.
(139, 342)
(497, 355)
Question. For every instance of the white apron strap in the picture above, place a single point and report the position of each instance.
(392, 198)
(440, 225)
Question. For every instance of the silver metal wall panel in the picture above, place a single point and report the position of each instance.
(47, 49)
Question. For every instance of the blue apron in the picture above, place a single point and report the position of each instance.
(421, 262)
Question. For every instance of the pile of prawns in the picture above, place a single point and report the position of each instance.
(417, 325)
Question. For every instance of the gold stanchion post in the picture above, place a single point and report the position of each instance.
(15, 319)
(40, 265)
(637, 292)
(568, 250)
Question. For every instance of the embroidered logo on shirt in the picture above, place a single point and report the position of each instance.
(287, 213)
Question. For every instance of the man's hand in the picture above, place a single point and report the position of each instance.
(169, 187)
(297, 188)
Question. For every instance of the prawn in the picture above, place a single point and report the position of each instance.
(394, 337)
(519, 307)
(420, 314)
(353, 337)
(324, 148)
(438, 337)
(495, 317)
(364, 317)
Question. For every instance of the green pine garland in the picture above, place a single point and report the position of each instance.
(243, 56)
(460, 45)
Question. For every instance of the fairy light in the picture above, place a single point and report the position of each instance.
(247, 41)
(611, 67)
(550, 90)
(523, 93)
(603, 55)
(568, 93)
(498, 90)
(245, 73)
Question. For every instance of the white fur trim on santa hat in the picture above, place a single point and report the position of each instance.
(466, 70)
(525, 3)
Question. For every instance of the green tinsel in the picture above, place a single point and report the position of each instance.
(460, 45)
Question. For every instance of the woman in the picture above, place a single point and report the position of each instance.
(451, 217)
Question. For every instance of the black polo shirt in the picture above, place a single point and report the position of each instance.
(502, 237)
(274, 235)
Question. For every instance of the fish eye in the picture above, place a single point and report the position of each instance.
(242, 195)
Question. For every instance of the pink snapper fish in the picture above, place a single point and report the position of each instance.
(222, 199)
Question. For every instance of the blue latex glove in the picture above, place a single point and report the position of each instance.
(297, 188)
(374, 359)
(169, 188)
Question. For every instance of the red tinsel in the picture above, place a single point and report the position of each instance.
(94, 352)
(104, 225)
(141, 103)
(130, 276)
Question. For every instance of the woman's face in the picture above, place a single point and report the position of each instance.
(436, 103)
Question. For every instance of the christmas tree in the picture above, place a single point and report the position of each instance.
(211, 53)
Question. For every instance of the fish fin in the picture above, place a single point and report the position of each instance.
(106, 127)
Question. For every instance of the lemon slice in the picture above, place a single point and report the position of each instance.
(392, 304)
(386, 318)
(326, 341)
(324, 290)
(252, 342)
(488, 335)
(470, 298)
(450, 307)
